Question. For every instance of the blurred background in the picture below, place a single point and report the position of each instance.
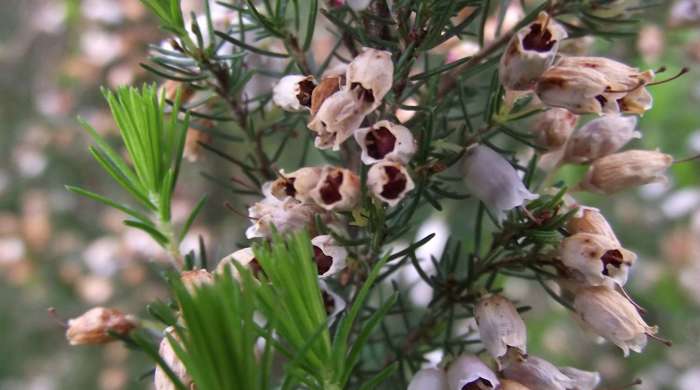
(69, 253)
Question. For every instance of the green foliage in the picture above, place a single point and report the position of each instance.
(290, 299)
(154, 141)
(169, 14)
(217, 342)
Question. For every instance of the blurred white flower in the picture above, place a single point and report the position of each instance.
(492, 180)
(431, 378)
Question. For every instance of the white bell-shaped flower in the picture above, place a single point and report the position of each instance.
(337, 118)
(530, 52)
(385, 141)
(600, 137)
(500, 325)
(432, 378)
(244, 257)
(596, 259)
(537, 373)
(328, 255)
(468, 371)
(369, 77)
(491, 179)
(338, 189)
(389, 182)
(612, 316)
(293, 92)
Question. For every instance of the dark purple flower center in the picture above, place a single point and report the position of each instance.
(330, 190)
(396, 183)
(538, 40)
(306, 88)
(612, 257)
(379, 143)
(323, 262)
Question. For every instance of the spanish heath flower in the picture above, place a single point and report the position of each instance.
(337, 118)
(389, 182)
(553, 127)
(595, 85)
(613, 317)
(93, 326)
(600, 137)
(325, 88)
(338, 189)
(431, 378)
(194, 279)
(491, 179)
(530, 52)
(596, 258)
(293, 92)
(285, 215)
(385, 141)
(244, 257)
(500, 326)
(537, 373)
(469, 372)
(167, 353)
(590, 220)
(333, 303)
(328, 255)
(369, 77)
(297, 184)
(624, 170)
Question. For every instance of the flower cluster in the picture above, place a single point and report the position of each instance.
(503, 334)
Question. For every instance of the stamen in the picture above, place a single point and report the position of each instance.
(660, 339)
(683, 71)
(636, 382)
(630, 300)
(687, 159)
(239, 213)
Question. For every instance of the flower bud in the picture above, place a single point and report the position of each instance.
(327, 87)
(94, 326)
(431, 378)
(596, 258)
(595, 85)
(468, 372)
(624, 170)
(166, 352)
(389, 182)
(590, 220)
(328, 255)
(491, 179)
(370, 76)
(553, 127)
(600, 137)
(612, 316)
(530, 52)
(284, 215)
(539, 374)
(385, 141)
(337, 118)
(337, 190)
(293, 92)
(500, 326)
(195, 278)
(297, 184)
(244, 257)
